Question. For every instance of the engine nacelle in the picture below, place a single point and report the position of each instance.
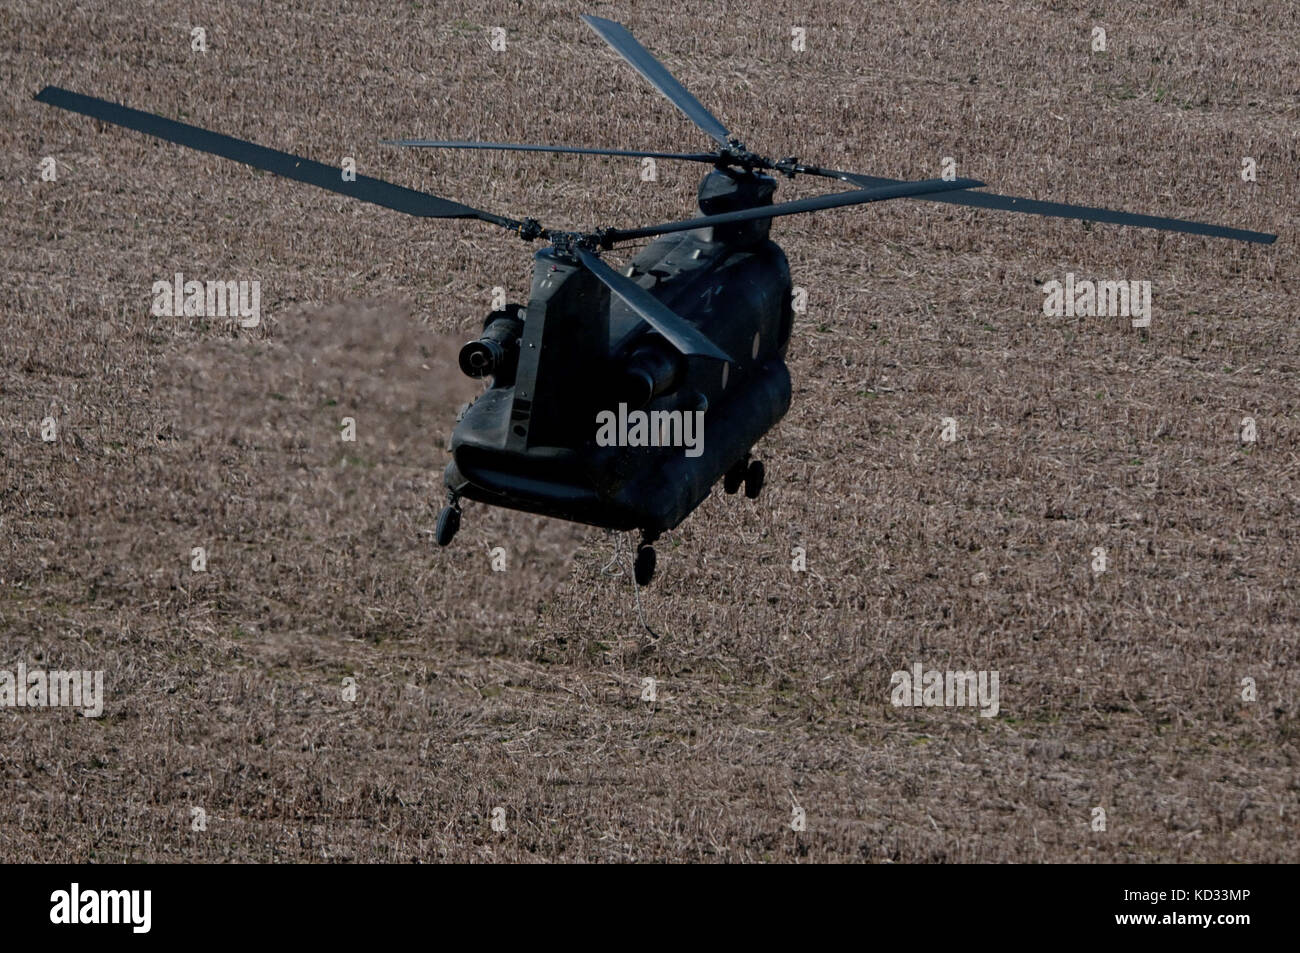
(496, 352)
(653, 369)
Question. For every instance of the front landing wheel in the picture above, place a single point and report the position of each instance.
(735, 476)
(644, 567)
(448, 523)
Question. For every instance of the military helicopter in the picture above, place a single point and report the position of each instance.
(604, 383)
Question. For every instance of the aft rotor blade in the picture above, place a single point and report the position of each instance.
(365, 188)
(643, 61)
(1007, 203)
(897, 190)
(680, 334)
(575, 150)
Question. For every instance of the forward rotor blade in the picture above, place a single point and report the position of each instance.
(681, 335)
(375, 191)
(897, 190)
(576, 150)
(1007, 203)
(643, 61)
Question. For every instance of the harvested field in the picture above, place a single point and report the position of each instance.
(523, 690)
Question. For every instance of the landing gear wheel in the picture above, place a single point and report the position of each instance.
(448, 523)
(732, 479)
(644, 567)
(754, 476)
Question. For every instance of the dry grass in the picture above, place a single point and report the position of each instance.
(521, 689)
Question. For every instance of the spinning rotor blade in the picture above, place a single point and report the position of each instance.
(626, 46)
(1009, 203)
(576, 150)
(896, 190)
(375, 191)
(681, 335)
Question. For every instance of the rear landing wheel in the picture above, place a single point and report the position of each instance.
(754, 477)
(732, 479)
(448, 523)
(644, 567)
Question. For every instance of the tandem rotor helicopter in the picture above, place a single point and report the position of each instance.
(695, 328)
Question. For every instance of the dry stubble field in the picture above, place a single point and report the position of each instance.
(521, 689)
